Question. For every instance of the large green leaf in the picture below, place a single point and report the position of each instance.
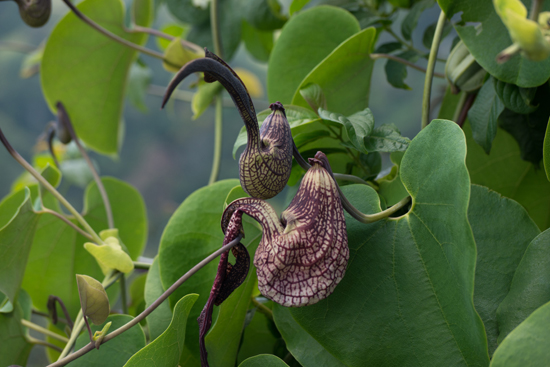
(306, 40)
(160, 318)
(260, 335)
(408, 290)
(16, 238)
(14, 347)
(166, 349)
(263, 360)
(529, 289)
(506, 173)
(116, 352)
(58, 252)
(526, 345)
(87, 71)
(501, 242)
(344, 75)
(193, 233)
(303, 347)
(485, 35)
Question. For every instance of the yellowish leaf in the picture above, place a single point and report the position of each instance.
(251, 81)
(176, 56)
(110, 255)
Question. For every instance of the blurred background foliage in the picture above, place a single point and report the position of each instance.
(166, 154)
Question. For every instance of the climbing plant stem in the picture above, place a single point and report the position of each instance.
(49, 187)
(430, 69)
(90, 346)
(111, 35)
(43, 330)
(217, 141)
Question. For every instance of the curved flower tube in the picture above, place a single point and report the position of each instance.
(302, 257)
(266, 163)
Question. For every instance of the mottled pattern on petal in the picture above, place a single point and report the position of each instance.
(265, 167)
(304, 264)
(301, 260)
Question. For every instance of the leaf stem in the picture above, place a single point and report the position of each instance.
(63, 117)
(404, 62)
(215, 27)
(111, 35)
(155, 32)
(50, 188)
(67, 221)
(32, 340)
(217, 141)
(430, 69)
(88, 347)
(536, 7)
(43, 330)
(263, 308)
(123, 298)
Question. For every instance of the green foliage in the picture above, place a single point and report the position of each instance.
(95, 63)
(14, 346)
(506, 173)
(303, 347)
(115, 353)
(484, 114)
(344, 75)
(162, 350)
(306, 40)
(15, 244)
(456, 276)
(525, 345)
(481, 29)
(528, 290)
(263, 360)
(407, 265)
(507, 235)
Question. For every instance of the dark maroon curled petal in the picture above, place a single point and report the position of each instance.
(228, 278)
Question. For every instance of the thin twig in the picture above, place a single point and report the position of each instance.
(49, 187)
(32, 340)
(88, 347)
(52, 301)
(111, 35)
(123, 299)
(217, 141)
(64, 118)
(430, 69)
(67, 221)
(262, 308)
(44, 331)
(155, 32)
(536, 7)
(44, 314)
(403, 61)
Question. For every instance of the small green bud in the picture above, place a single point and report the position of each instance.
(93, 299)
(462, 71)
